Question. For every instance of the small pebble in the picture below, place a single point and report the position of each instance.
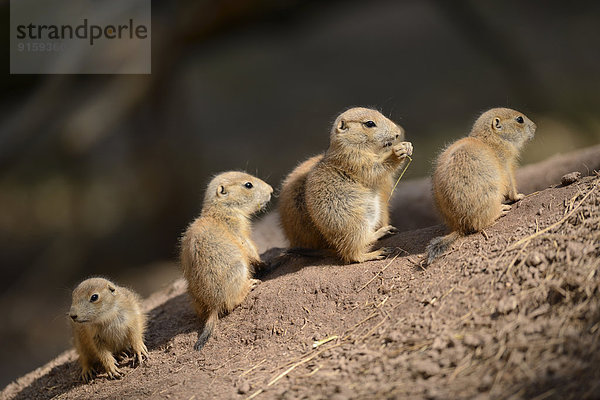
(426, 368)
(485, 383)
(244, 387)
(472, 340)
(570, 178)
(439, 343)
(506, 305)
(534, 259)
(575, 249)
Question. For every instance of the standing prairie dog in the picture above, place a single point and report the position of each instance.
(339, 200)
(217, 253)
(474, 175)
(106, 320)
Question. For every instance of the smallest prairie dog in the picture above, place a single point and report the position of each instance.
(106, 319)
(217, 253)
(475, 174)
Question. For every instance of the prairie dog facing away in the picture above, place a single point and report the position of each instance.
(106, 320)
(217, 253)
(339, 200)
(475, 174)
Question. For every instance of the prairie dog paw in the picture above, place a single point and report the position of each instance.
(114, 372)
(391, 230)
(138, 358)
(404, 149)
(386, 251)
(254, 283)
(140, 354)
(87, 374)
(386, 231)
(519, 196)
(505, 209)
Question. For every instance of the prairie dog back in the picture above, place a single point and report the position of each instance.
(217, 252)
(475, 174)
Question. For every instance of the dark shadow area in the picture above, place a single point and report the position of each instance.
(278, 262)
(414, 242)
(173, 317)
(271, 260)
(574, 374)
(57, 381)
(281, 263)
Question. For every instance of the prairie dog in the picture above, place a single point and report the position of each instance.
(339, 200)
(106, 320)
(475, 174)
(217, 253)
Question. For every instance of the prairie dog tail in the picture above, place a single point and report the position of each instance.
(207, 330)
(440, 245)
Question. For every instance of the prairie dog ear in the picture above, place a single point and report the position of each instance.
(221, 191)
(496, 125)
(342, 126)
(112, 289)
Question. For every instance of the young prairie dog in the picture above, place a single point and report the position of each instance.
(339, 200)
(106, 320)
(217, 253)
(475, 174)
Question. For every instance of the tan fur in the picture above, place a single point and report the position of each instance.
(217, 253)
(295, 221)
(112, 324)
(474, 175)
(339, 200)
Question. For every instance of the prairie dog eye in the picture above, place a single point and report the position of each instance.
(94, 298)
(369, 124)
(248, 185)
(519, 119)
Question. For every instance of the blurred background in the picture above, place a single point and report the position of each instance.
(99, 175)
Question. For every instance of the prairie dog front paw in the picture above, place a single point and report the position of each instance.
(403, 149)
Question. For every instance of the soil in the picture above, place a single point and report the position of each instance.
(512, 312)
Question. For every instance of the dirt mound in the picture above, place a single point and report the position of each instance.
(514, 311)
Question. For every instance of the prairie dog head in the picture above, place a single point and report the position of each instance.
(93, 301)
(509, 125)
(365, 128)
(238, 190)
